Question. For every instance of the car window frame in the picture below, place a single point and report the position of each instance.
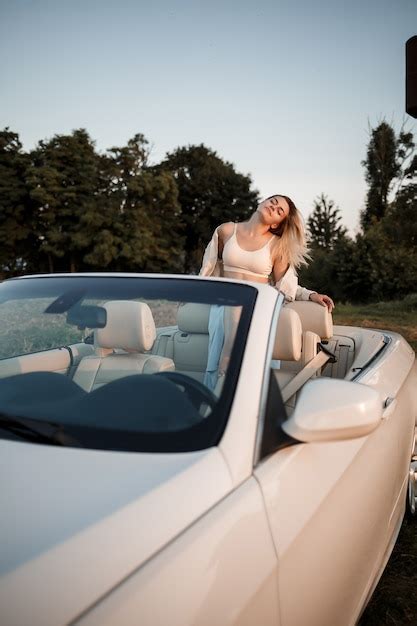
(203, 437)
(270, 437)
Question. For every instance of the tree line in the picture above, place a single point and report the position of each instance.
(65, 207)
(380, 262)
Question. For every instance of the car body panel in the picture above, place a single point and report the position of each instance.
(320, 531)
(341, 500)
(246, 409)
(223, 570)
(98, 514)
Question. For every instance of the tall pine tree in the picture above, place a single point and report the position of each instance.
(324, 224)
(387, 166)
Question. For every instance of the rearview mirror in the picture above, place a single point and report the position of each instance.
(332, 410)
(87, 317)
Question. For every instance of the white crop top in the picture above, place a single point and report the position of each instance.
(253, 262)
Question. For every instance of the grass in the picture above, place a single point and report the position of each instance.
(399, 316)
(25, 327)
(394, 602)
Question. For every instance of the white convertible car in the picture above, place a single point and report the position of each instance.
(141, 483)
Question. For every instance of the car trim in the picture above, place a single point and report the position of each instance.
(266, 379)
(364, 368)
(209, 431)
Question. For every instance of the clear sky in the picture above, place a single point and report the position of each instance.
(283, 89)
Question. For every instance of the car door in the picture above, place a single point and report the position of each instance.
(329, 506)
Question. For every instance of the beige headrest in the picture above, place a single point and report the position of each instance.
(314, 317)
(130, 326)
(288, 339)
(193, 318)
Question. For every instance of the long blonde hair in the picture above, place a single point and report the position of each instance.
(291, 236)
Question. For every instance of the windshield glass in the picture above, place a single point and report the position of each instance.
(121, 363)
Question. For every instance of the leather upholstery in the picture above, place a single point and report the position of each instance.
(187, 346)
(314, 317)
(130, 327)
(193, 318)
(288, 337)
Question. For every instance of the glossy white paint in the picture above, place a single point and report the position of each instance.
(238, 441)
(335, 508)
(328, 505)
(79, 521)
(332, 410)
(221, 571)
(394, 376)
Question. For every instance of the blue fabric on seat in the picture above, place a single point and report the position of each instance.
(216, 341)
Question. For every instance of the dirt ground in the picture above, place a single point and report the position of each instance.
(394, 602)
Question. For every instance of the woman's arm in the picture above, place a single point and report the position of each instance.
(322, 299)
(286, 281)
(279, 269)
(224, 232)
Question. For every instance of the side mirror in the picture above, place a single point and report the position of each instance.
(334, 410)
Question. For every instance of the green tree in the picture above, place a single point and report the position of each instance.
(380, 270)
(327, 270)
(389, 163)
(380, 263)
(400, 221)
(145, 233)
(323, 224)
(210, 192)
(17, 242)
(384, 255)
(330, 249)
(64, 179)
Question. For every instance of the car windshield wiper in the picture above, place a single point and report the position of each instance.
(36, 431)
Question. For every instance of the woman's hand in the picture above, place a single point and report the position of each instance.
(322, 299)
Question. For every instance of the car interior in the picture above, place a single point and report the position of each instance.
(129, 343)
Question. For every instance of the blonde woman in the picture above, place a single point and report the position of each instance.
(268, 247)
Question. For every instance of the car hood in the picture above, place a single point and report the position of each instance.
(76, 522)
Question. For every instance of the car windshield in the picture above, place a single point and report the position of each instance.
(120, 362)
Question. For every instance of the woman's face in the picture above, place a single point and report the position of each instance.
(273, 210)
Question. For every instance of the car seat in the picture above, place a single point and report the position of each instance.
(121, 347)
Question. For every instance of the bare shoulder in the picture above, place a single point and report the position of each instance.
(225, 230)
